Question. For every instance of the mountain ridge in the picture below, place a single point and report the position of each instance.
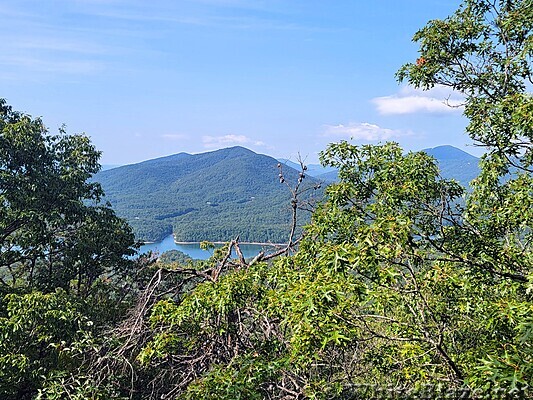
(455, 163)
(220, 194)
(213, 196)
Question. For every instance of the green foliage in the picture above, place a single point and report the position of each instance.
(66, 271)
(175, 256)
(40, 335)
(485, 51)
(79, 387)
(314, 302)
(244, 378)
(54, 231)
(387, 290)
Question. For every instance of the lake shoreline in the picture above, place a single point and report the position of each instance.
(194, 250)
(254, 243)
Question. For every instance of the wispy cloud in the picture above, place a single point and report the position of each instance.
(211, 142)
(196, 18)
(56, 42)
(14, 11)
(52, 66)
(363, 131)
(409, 101)
(229, 14)
(61, 45)
(42, 48)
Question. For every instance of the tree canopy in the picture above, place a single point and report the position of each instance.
(62, 252)
(54, 229)
(402, 282)
(403, 285)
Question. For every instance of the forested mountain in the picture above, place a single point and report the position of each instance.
(210, 196)
(221, 194)
(455, 163)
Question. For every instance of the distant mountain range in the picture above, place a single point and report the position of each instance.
(326, 174)
(221, 194)
(453, 163)
(210, 196)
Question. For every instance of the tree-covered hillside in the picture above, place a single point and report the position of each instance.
(455, 164)
(221, 194)
(210, 196)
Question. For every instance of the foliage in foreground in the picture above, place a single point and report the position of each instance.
(384, 291)
(402, 280)
(66, 272)
(402, 283)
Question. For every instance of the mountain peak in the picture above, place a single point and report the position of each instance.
(448, 152)
(228, 152)
(237, 150)
(208, 196)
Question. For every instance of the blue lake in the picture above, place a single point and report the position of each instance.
(193, 249)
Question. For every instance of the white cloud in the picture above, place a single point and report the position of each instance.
(409, 101)
(363, 131)
(230, 140)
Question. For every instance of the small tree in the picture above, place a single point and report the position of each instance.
(61, 250)
(54, 229)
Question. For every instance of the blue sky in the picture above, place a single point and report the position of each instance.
(281, 77)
